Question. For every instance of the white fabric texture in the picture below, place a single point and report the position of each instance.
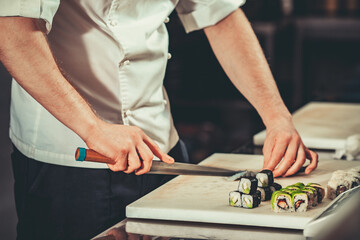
(115, 54)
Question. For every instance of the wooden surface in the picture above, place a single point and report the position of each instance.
(205, 199)
(324, 125)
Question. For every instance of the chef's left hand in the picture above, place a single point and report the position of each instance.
(284, 151)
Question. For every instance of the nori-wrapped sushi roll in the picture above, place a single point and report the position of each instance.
(265, 178)
(320, 191)
(300, 201)
(275, 187)
(281, 202)
(235, 199)
(265, 193)
(250, 200)
(248, 185)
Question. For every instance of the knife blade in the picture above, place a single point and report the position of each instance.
(159, 167)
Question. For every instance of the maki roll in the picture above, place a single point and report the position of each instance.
(275, 187)
(235, 199)
(289, 191)
(338, 184)
(300, 201)
(293, 188)
(299, 185)
(311, 194)
(265, 178)
(320, 191)
(250, 200)
(281, 202)
(265, 193)
(248, 185)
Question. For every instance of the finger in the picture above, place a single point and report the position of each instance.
(116, 233)
(120, 161)
(314, 159)
(277, 154)
(289, 159)
(157, 151)
(133, 236)
(147, 158)
(267, 149)
(133, 161)
(300, 160)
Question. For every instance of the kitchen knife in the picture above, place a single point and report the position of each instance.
(159, 167)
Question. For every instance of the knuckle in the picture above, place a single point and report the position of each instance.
(136, 165)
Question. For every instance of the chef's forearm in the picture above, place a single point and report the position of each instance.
(238, 51)
(25, 53)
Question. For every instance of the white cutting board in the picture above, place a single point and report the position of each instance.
(324, 125)
(205, 199)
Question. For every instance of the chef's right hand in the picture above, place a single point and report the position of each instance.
(128, 146)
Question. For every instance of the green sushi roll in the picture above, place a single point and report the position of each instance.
(300, 201)
(281, 202)
(299, 184)
(312, 196)
(293, 188)
(312, 201)
(320, 191)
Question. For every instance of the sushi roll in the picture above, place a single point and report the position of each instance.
(338, 184)
(250, 174)
(319, 189)
(299, 185)
(293, 188)
(248, 185)
(265, 178)
(289, 191)
(311, 195)
(265, 193)
(235, 199)
(300, 201)
(250, 200)
(281, 202)
(275, 187)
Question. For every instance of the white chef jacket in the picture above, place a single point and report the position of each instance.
(115, 53)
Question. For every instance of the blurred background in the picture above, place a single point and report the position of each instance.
(313, 49)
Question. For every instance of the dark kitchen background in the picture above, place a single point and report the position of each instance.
(313, 49)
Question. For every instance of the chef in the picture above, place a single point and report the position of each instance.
(90, 74)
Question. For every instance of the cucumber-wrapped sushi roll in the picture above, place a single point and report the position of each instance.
(319, 189)
(265, 178)
(235, 199)
(293, 188)
(299, 185)
(300, 201)
(281, 202)
(250, 200)
(265, 193)
(248, 185)
(289, 191)
(312, 196)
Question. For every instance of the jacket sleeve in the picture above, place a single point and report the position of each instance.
(198, 14)
(38, 9)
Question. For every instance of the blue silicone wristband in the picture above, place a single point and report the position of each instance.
(82, 154)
